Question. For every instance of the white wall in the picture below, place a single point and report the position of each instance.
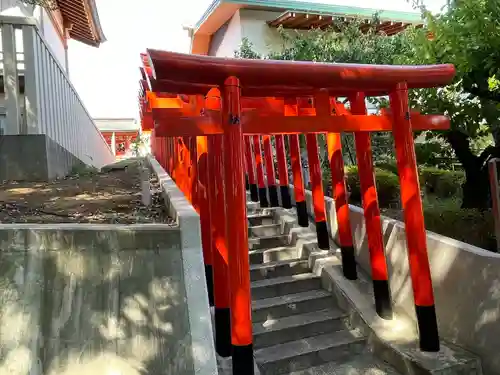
(50, 34)
(227, 39)
(254, 27)
(245, 23)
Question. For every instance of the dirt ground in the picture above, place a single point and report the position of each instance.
(112, 196)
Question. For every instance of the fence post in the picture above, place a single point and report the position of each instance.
(11, 81)
(32, 77)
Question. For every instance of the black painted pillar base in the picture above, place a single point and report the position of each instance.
(349, 262)
(247, 183)
(243, 360)
(302, 216)
(254, 193)
(210, 283)
(382, 295)
(427, 328)
(286, 199)
(273, 196)
(322, 234)
(223, 331)
(263, 197)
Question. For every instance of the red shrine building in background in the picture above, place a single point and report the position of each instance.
(119, 133)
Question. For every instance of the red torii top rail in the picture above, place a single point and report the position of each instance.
(278, 78)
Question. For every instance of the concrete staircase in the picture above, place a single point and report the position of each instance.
(298, 327)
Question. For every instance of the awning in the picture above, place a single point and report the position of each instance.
(304, 21)
(82, 20)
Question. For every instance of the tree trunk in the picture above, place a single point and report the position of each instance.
(476, 189)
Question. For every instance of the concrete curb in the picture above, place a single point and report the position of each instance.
(202, 340)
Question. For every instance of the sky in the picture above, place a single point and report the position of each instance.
(106, 78)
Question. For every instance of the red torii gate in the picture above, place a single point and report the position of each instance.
(203, 138)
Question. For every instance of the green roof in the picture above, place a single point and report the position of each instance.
(319, 8)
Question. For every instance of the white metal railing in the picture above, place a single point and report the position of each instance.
(50, 104)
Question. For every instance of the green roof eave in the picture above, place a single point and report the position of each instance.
(313, 7)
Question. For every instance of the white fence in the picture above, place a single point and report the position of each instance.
(50, 104)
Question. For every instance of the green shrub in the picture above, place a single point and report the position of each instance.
(389, 166)
(441, 182)
(387, 186)
(467, 225)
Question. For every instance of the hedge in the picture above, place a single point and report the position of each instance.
(389, 166)
(440, 182)
(467, 225)
(387, 186)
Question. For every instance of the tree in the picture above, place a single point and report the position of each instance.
(47, 4)
(465, 35)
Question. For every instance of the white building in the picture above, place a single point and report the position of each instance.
(44, 127)
(225, 23)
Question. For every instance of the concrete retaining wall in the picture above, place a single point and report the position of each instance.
(466, 283)
(105, 299)
(34, 158)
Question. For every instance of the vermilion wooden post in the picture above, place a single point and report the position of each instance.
(218, 225)
(318, 194)
(247, 180)
(254, 190)
(205, 215)
(193, 169)
(220, 253)
(161, 150)
(271, 177)
(341, 205)
(298, 181)
(414, 220)
(169, 155)
(260, 172)
(188, 160)
(160, 156)
(339, 191)
(237, 230)
(286, 201)
(371, 212)
(291, 109)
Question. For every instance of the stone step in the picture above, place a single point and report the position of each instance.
(267, 230)
(260, 218)
(364, 364)
(273, 254)
(266, 242)
(253, 206)
(296, 327)
(292, 304)
(278, 268)
(281, 286)
(313, 351)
